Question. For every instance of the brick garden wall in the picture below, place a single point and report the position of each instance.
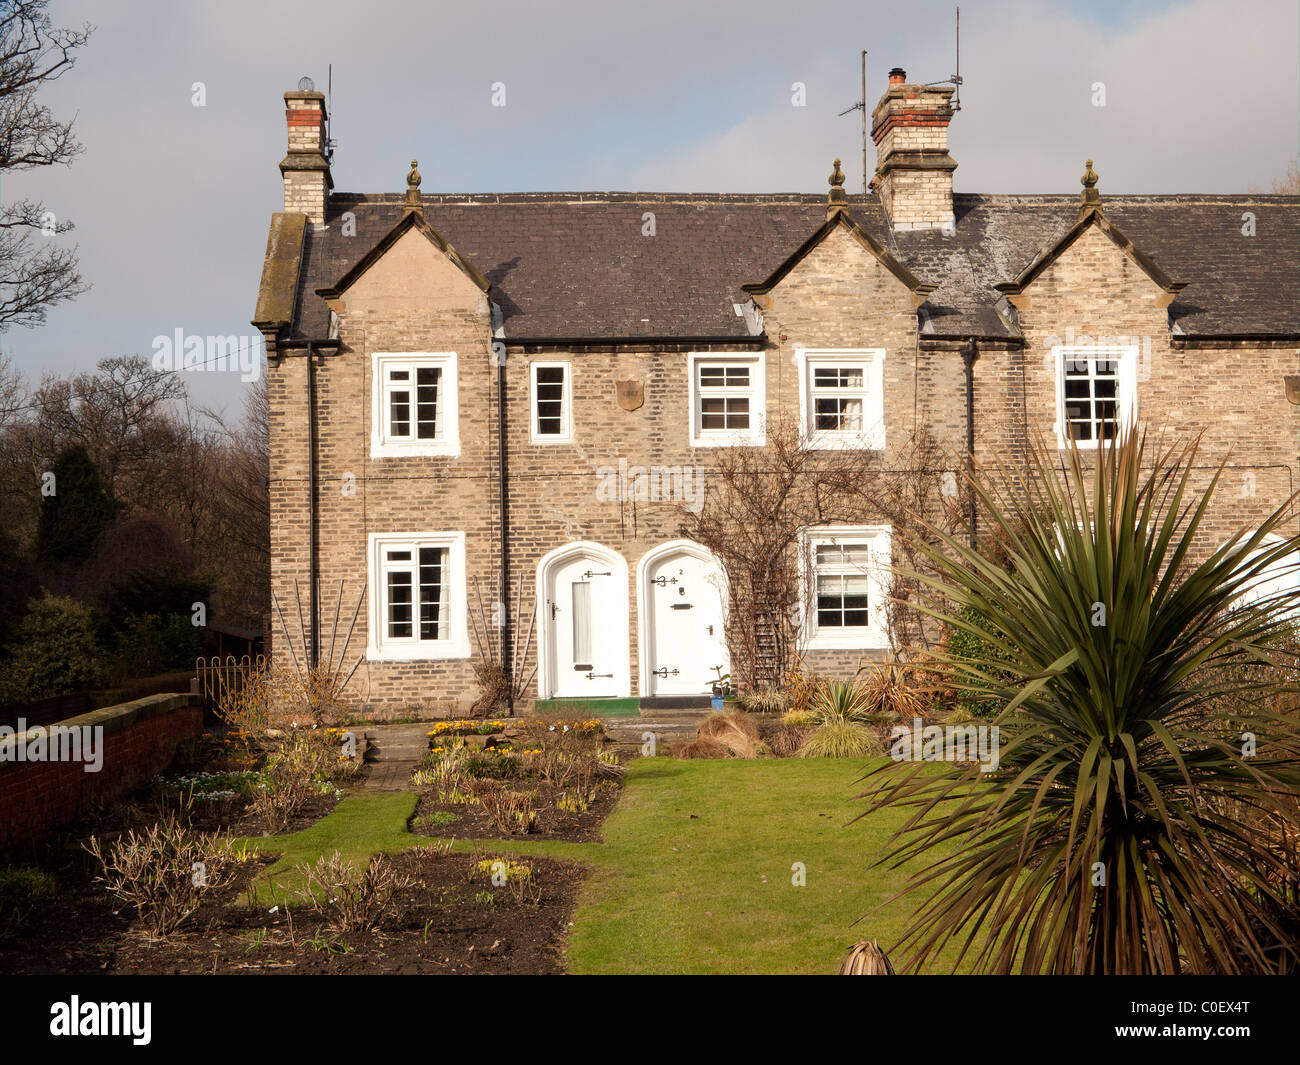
(138, 742)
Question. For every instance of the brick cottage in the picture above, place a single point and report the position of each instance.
(513, 398)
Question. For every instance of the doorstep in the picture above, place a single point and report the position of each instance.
(653, 703)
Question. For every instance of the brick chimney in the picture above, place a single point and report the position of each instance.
(306, 169)
(913, 168)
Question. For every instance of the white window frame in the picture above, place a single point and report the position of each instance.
(756, 434)
(1126, 387)
(565, 436)
(383, 648)
(873, 635)
(383, 445)
(871, 436)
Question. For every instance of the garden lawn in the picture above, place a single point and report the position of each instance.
(696, 871)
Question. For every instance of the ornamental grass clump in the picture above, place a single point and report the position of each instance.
(842, 710)
(1111, 838)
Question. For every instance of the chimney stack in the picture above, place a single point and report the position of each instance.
(913, 168)
(306, 169)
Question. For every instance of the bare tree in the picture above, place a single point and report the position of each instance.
(240, 529)
(34, 273)
(1290, 184)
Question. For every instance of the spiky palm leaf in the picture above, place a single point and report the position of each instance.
(1101, 843)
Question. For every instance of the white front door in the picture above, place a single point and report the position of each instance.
(585, 614)
(682, 595)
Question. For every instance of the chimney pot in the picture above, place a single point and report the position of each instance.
(897, 76)
(306, 167)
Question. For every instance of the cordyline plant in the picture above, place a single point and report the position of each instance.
(1121, 831)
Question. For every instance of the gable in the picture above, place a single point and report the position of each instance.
(841, 265)
(411, 274)
(838, 244)
(1092, 251)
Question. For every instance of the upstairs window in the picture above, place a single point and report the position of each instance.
(842, 397)
(414, 408)
(552, 403)
(727, 398)
(1096, 393)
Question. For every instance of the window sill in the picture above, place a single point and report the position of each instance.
(860, 640)
(443, 450)
(847, 442)
(730, 440)
(440, 651)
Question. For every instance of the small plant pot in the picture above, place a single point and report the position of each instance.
(717, 703)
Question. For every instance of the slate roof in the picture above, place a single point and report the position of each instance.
(574, 266)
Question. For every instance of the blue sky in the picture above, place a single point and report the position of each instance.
(171, 201)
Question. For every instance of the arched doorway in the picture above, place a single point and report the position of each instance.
(582, 604)
(681, 591)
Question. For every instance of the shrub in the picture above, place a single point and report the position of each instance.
(283, 699)
(799, 689)
(55, 651)
(352, 899)
(968, 647)
(799, 719)
(151, 643)
(841, 738)
(22, 889)
(509, 811)
(164, 870)
(303, 767)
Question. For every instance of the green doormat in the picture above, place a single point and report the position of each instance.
(589, 707)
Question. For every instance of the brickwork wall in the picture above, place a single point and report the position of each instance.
(139, 741)
(1234, 394)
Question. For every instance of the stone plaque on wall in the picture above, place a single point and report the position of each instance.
(631, 394)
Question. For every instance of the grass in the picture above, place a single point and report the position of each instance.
(695, 873)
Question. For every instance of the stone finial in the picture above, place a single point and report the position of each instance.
(1090, 197)
(413, 201)
(836, 199)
